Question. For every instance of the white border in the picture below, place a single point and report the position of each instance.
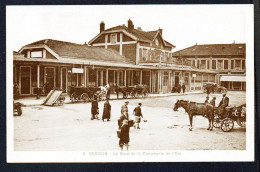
(176, 156)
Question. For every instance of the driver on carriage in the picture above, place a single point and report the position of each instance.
(224, 103)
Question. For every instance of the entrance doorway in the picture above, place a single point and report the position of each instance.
(49, 79)
(177, 78)
(25, 80)
(64, 79)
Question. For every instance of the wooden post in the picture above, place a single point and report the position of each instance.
(141, 75)
(38, 76)
(125, 79)
(107, 76)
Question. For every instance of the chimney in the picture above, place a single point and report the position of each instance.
(139, 28)
(160, 30)
(102, 26)
(234, 42)
(130, 24)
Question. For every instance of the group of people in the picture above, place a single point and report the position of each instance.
(178, 88)
(223, 103)
(124, 123)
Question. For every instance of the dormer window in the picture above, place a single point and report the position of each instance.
(156, 42)
(113, 38)
(36, 54)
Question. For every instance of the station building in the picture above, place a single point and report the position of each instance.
(121, 55)
(228, 60)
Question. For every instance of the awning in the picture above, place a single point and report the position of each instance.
(233, 78)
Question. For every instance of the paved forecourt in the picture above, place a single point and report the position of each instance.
(69, 128)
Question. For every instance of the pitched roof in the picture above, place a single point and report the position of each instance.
(73, 50)
(213, 49)
(146, 36)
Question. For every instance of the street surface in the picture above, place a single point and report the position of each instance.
(69, 128)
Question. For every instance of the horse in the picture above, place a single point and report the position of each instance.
(195, 109)
(103, 91)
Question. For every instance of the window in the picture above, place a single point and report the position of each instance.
(198, 64)
(232, 64)
(208, 64)
(113, 38)
(145, 54)
(220, 64)
(203, 64)
(237, 64)
(214, 64)
(140, 52)
(225, 64)
(165, 79)
(243, 64)
(36, 54)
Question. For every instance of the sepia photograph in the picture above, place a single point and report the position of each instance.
(130, 83)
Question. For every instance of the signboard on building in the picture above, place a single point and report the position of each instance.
(194, 75)
(77, 70)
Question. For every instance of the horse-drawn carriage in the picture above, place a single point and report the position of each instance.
(134, 91)
(225, 120)
(216, 116)
(213, 88)
(85, 94)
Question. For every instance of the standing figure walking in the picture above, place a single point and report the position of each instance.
(94, 110)
(179, 88)
(124, 135)
(124, 108)
(138, 114)
(183, 88)
(106, 111)
(108, 91)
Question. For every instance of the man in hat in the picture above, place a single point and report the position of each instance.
(138, 114)
(212, 101)
(207, 99)
(124, 108)
(224, 102)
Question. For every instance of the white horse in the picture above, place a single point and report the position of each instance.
(104, 90)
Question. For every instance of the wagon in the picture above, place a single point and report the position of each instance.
(213, 88)
(54, 97)
(226, 121)
(85, 94)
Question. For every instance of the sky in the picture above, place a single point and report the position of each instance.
(183, 25)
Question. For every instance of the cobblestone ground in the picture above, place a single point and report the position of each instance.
(69, 128)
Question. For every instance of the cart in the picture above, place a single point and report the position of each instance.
(85, 94)
(226, 121)
(54, 97)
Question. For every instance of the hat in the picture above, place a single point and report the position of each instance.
(224, 94)
(140, 104)
(127, 102)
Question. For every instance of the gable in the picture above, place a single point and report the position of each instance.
(100, 39)
(158, 42)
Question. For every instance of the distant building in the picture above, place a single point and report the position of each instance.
(229, 60)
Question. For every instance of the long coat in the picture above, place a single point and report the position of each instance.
(224, 102)
(94, 108)
(121, 119)
(124, 135)
(106, 110)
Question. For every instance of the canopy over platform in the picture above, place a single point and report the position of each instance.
(233, 78)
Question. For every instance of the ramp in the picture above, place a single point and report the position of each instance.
(52, 97)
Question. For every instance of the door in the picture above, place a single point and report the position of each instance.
(64, 79)
(25, 80)
(49, 79)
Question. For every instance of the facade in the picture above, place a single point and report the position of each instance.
(228, 60)
(120, 55)
(149, 48)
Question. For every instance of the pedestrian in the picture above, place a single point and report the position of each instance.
(106, 111)
(138, 114)
(94, 110)
(179, 88)
(207, 99)
(124, 108)
(124, 135)
(183, 88)
(224, 103)
(108, 91)
(117, 91)
(121, 119)
(212, 102)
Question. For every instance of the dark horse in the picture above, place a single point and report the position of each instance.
(193, 109)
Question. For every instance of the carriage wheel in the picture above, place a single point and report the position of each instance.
(84, 97)
(227, 124)
(216, 121)
(74, 97)
(241, 121)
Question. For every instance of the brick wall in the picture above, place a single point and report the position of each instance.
(129, 51)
